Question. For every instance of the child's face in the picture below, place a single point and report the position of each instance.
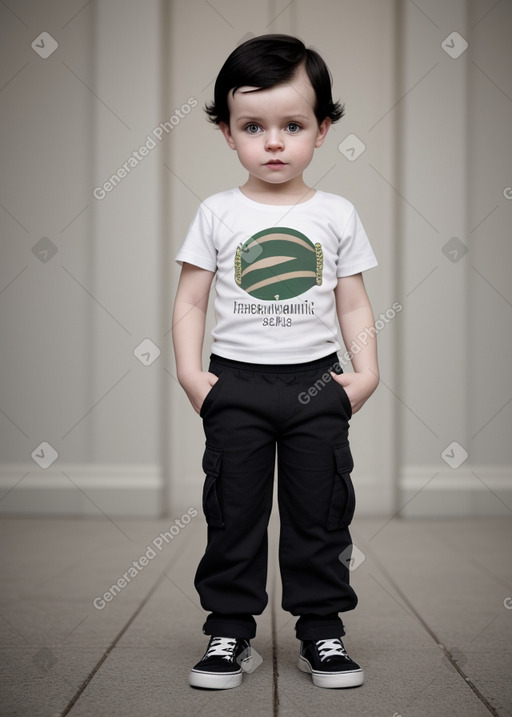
(275, 131)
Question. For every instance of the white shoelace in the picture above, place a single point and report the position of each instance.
(221, 647)
(330, 648)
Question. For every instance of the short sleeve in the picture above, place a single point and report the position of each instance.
(355, 253)
(198, 247)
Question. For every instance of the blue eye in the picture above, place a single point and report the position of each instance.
(252, 128)
(293, 127)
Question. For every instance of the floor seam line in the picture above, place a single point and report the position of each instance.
(83, 686)
(275, 667)
(275, 671)
(426, 627)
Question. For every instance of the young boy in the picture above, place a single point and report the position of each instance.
(288, 260)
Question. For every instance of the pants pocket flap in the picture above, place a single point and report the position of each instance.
(211, 461)
(343, 458)
(343, 499)
(211, 505)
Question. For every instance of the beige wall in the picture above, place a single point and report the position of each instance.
(70, 323)
(455, 342)
(436, 166)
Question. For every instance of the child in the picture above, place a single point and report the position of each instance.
(288, 260)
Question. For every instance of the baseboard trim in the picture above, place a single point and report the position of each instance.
(87, 490)
(431, 491)
(83, 490)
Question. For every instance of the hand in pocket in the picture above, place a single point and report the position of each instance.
(197, 386)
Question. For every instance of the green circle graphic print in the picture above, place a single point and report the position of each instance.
(278, 263)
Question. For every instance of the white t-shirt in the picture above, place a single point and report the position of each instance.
(277, 267)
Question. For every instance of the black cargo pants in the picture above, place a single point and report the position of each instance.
(303, 412)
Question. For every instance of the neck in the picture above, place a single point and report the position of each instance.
(293, 192)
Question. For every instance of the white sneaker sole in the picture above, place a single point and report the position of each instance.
(219, 680)
(332, 680)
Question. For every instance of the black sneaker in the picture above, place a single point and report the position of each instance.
(221, 666)
(329, 664)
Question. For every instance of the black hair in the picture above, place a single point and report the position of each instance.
(270, 60)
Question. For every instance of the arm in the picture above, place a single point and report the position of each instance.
(188, 322)
(355, 317)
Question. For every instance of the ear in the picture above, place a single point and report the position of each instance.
(323, 128)
(224, 128)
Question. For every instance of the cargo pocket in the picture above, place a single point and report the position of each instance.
(212, 460)
(343, 499)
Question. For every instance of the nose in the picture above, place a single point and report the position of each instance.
(274, 139)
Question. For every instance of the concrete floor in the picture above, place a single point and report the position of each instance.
(432, 630)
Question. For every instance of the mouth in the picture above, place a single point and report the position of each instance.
(274, 163)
